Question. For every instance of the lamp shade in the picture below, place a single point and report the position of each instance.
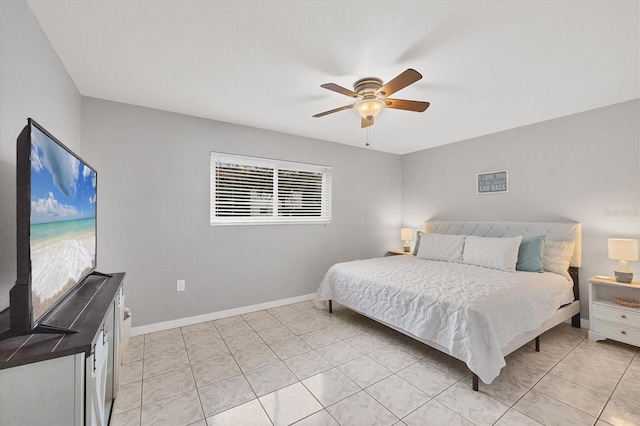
(406, 234)
(623, 249)
(369, 108)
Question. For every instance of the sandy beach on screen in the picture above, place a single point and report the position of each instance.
(57, 267)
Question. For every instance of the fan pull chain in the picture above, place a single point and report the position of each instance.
(368, 136)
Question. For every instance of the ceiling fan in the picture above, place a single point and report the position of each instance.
(373, 96)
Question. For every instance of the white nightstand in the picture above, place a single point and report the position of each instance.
(395, 252)
(608, 319)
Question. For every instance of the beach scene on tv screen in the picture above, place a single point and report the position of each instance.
(63, 221)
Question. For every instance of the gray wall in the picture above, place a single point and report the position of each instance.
(583, 168)
(153, 212)
(154, 180)
(33, 83)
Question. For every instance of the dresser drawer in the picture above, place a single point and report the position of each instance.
(619, 316)
(617, 332)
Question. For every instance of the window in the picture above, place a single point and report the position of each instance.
(250, 190)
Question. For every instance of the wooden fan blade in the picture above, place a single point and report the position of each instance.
(340, 89)
(366, 122)
(406, 78)
(322, 114)
(416, 106)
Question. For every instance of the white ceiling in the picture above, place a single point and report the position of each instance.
(487, 66)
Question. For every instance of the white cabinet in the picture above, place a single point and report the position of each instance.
(41, 393)
(99, 374)
(608, 319)
(67, 379)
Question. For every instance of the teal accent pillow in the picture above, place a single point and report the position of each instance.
(530, 254)
(415, 249)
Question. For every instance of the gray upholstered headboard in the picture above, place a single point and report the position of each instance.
(553, 230)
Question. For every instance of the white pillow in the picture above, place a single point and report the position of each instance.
(557, 256)
(494, 253)
(443, 247)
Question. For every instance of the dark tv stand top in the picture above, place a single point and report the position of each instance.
(83, 311)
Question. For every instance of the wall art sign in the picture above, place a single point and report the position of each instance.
(492, 182)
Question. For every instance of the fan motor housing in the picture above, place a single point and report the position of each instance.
(367, 86)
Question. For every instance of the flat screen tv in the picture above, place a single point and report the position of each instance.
(56, 227)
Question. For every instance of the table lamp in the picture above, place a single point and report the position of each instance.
(623, 250)
(406, 234)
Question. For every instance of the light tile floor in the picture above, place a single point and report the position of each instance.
(299, 364)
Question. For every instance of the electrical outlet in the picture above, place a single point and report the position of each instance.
(181, 285)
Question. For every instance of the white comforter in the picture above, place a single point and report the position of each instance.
(468, 311)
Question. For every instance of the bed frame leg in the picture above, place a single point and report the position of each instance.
(330, 307)
(575, 321)
(475, 382)
(537, 343)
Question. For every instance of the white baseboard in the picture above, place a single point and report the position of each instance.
(182, 322)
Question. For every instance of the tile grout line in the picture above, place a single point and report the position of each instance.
(392, 373)
(241, 373)
(144, 341)
(539, 380)
(297, 378)
(193, 376)
(577, 384)
(615, 387)
(363, 389)
(189, 366)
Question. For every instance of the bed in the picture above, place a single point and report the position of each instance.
(477, 314)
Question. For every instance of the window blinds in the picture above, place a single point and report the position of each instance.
(249, 190)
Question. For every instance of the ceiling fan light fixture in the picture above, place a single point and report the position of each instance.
(374, 96)
(369, 108)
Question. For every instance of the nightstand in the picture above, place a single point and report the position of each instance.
(395, 252)
(608, 319)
